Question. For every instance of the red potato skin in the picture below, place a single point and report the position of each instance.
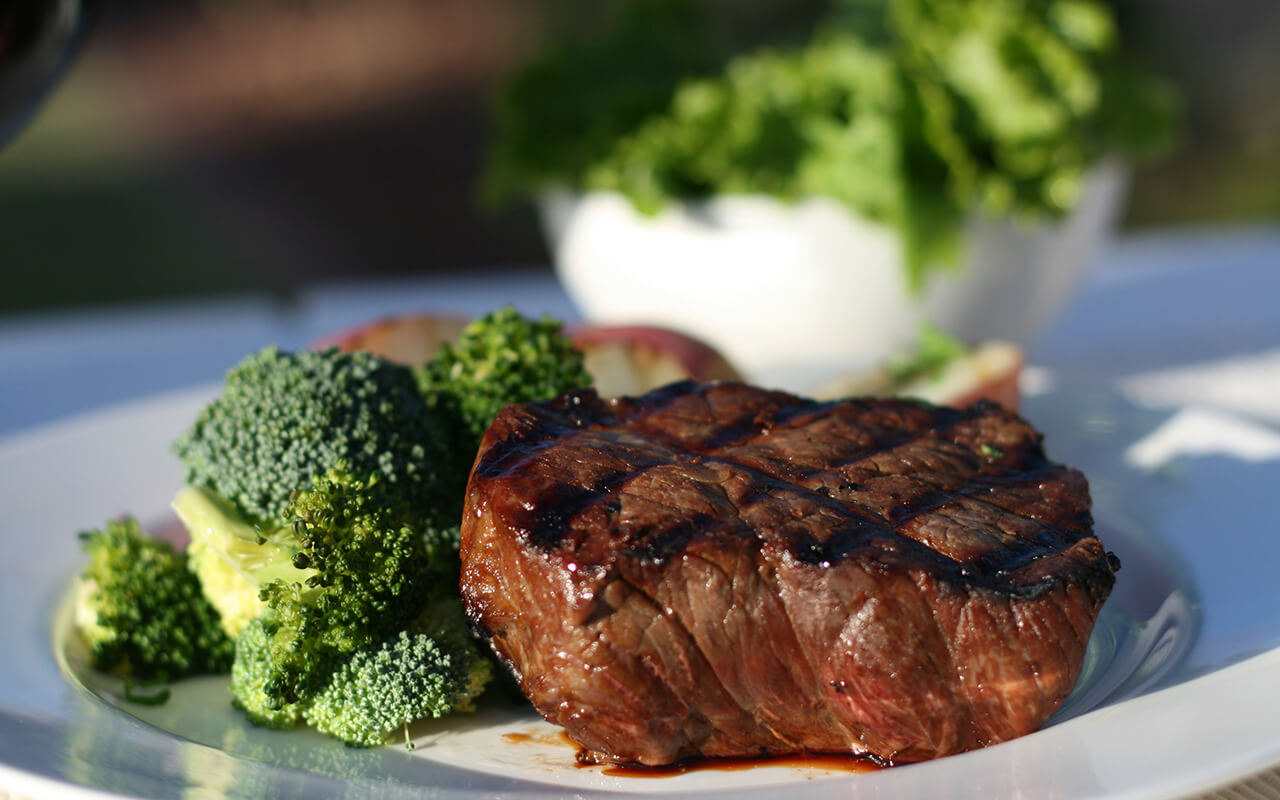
(629, 359)
(623, 359)
(699, 359)
(1002, 389)
(633, 359)
(410, 339)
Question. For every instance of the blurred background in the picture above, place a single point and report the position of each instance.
(219, 147)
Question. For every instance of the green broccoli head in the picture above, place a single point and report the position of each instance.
(142, 612)
(343, 649)
(284, 418)
(499, 359)
(368, 576)
(323, 500)
(378, 690)
(445, 622)
(249, 675)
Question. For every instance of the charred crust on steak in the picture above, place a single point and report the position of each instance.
(871, 519)
(938, 551)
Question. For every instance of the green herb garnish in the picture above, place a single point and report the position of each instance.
(935, 350)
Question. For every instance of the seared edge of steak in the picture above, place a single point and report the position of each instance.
(722, 570)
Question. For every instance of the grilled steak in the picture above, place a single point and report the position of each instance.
(722, 570)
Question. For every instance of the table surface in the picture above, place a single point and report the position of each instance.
(1223, 284)
(1184, 318)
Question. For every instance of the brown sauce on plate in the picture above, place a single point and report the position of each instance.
(820, 762)
(827, 762)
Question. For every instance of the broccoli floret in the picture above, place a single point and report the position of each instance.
(323, 523)
(284, 418)
(444, 621)
(370, 578)
(412, 675)
(142, 612)
(323, 499)
(379, 690)
(249, 674)
(232, 558)
(498, 359)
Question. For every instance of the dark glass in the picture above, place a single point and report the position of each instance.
(38, 39)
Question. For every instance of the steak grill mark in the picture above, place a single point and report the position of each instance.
(623, 536)
(548, 523)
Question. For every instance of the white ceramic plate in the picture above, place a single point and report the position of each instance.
(1173, 699)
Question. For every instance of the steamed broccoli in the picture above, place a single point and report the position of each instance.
(413, 674)
(351, 569)
(499, 359)
(249, 675)
(380, 689)
(321, 521)
(142, 612)
(323, 501)
(284, 418)
(370, 578)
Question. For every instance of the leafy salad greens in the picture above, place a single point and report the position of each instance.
(323, 499)
(914, 113)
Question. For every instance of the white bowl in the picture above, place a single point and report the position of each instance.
(798, 294)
